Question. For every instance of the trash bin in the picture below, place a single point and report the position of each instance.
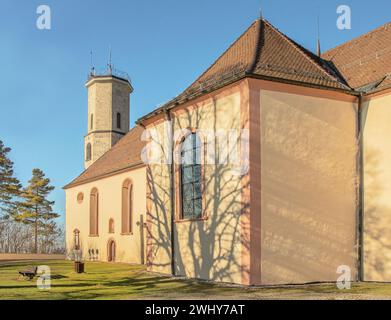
(79, 267)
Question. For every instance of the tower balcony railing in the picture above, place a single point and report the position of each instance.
(109, 71)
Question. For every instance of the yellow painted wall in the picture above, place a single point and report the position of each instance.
(159, 209)
(209, 249)
(308, 195)
(308, 187)
(129, 248)
(377, 189)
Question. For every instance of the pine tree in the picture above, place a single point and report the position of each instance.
(35, 209)
(9, 185)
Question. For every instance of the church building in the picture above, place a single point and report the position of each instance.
(273, 167)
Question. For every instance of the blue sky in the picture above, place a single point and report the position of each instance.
(163, 45)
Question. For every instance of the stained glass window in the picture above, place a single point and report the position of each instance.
(191, 177)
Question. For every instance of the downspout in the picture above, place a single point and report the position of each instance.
(360, 222)
(172, 175)
(144, 223)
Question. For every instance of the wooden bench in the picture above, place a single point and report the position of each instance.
(29, 272)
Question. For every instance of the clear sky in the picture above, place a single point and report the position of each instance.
(163, 45)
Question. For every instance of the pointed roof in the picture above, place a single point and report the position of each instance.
(263, 51)
(124, 155)
(365, 60)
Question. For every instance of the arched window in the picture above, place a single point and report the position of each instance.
(92, 121)
(127, 204)
(118, 120)
(191, 177)
(80, 197)
(111, 225)
(76, 239)
(94, 212)
(88, 152)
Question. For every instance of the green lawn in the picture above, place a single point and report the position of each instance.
(122, 281)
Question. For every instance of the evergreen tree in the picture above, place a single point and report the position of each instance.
(9, 185)
(35, 209)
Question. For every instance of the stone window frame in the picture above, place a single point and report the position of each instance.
(127, 207)
(94, 212)
(178, 176)
(80, 197)
(111, 226)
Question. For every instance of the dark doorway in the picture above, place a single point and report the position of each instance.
(111, 251)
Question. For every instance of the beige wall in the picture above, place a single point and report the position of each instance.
(129, 248)
(307, 210)
(308, 187)
(211, 248)
(159, 213)
(308, 195)
(377, 189)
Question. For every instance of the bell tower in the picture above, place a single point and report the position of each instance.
(108, 112)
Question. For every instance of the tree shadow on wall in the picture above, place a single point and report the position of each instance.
(211, 248)
(377, 222)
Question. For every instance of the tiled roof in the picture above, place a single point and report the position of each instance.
(364, 60)
(262, 51)
(385, 83)
(125, 154)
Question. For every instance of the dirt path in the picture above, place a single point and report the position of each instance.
(6, 257)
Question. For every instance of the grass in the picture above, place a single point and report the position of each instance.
(122, 281)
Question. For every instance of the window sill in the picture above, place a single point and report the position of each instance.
(127, 234)
(202, 219)
(93, 235)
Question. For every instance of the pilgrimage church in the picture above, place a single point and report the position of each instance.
(273, 167)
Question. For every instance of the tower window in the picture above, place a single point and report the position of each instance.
(92, 122)
(88, 152)
(118, 120)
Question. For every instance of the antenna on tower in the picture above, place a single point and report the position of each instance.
(92, 68)
(318, 49)
(260, 10)
(110, 65)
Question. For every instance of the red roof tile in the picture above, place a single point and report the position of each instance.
(262, 51)
(364, 60)
(124, 154)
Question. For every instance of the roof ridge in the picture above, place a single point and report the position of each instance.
(222, 54)
(301, 49)
(380, 28)
(257, 47)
